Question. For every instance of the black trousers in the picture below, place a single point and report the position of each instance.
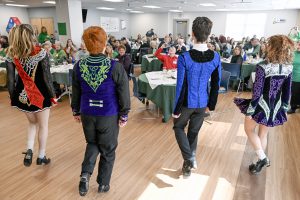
(188, 142)
(101, 134)
(295, 99)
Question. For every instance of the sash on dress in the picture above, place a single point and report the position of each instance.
(33, 93)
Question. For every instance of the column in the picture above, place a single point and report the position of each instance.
(70, 13)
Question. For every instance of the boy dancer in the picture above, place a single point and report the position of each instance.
(194, 69)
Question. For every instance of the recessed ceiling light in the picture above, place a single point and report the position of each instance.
(222, 9)
(207, 4)
(115, 0)
(50, 2)
(175, 10)
(16, 5)
(128, 9)
(151, 7)
(136, 11)
(105, 8)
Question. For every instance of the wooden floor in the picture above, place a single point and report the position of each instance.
(148, 159)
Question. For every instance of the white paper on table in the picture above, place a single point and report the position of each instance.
(160, 78)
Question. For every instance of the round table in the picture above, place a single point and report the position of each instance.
(247, 69)
(162, 96)
(153, 65)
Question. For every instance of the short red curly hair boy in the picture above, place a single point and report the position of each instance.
(95, 39)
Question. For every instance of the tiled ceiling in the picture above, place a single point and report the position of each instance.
(183, 5)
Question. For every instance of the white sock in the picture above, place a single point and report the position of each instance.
(30, 144)
(260, 154)
(41, 153)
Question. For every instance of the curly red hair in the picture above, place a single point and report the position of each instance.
(95, 39)
(280, 49)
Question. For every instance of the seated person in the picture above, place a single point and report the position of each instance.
(110, 53)
(263, 50)
(167, 41)
(124, 58)
(180, 47)
(237, 55)
(153, 46)
(58, 54)
(3, 46)
(170, 60)
(255, 48)
(82, 52)
(125, 42)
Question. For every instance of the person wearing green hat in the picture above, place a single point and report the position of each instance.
(295, 99)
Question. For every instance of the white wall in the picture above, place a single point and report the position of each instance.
(6, 12)
(141, 23)
(163, 23)
(93, 19)
(43, 13)
(76, 24)
(298, 21)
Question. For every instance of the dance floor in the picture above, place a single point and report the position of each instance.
(148, 159)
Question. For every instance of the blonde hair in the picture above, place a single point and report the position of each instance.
(21, 41)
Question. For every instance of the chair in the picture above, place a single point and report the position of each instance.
(131, 71)
(224, 81)
(235, 70)
(143, 51)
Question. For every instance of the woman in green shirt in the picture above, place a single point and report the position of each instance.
(295, 99)
(43, 36)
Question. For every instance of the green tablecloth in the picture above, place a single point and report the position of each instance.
(61, 77)
(162, 96)
(154, 65)
(247, 69)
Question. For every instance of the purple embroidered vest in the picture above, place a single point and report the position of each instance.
(98, 90)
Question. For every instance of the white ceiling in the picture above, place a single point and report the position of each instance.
(184, 5)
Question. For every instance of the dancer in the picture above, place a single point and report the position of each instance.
(101, 101)
(270, 99)
(195, 68)
(33, 92)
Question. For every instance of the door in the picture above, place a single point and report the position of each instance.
(49, 24)
(37, 24)
(181, 28)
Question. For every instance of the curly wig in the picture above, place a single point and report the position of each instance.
(95, 39)
(280, 49)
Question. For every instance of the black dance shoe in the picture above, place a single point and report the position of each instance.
(40, 161)
(186, 168)
(84, 183)
(194, 164)
(291, 111)
(256, 168)
(103, 188)
(28, 157)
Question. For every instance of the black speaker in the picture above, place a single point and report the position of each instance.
(84, 14)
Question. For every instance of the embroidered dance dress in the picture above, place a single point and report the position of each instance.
(37, 67)
(271, 95)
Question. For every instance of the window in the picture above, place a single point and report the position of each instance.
(243, 25)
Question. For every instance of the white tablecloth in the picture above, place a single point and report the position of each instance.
(61, 68)
(60, 73)
(161, 78)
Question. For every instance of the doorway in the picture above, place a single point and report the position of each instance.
(37, 24)
(180, 27)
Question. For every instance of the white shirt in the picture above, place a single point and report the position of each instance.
(200, 47)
